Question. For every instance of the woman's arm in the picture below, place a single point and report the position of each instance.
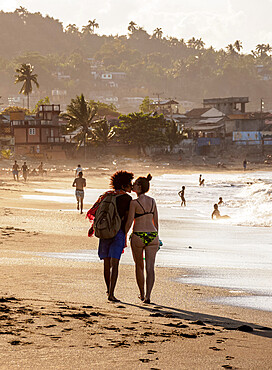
(156, 218)
(130, 217)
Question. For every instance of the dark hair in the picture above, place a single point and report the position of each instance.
(78, 165)
(215, 205)
(144, 183)
(80, 174)
(121, 179)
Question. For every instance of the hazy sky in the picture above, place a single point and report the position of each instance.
(218, 22)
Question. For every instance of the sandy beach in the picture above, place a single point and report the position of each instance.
(55, 313)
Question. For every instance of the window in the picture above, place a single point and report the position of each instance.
(32, 131)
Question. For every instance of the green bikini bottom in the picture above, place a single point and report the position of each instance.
(146, 237)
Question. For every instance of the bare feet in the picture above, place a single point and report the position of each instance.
(140, 297)
(147, 300)
(113, 299)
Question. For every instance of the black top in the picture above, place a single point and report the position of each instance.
(145, 212)
(122, 203)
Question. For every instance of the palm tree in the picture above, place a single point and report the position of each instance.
(72, 29)
(191, 42)
(89, 29)
(199, 44)
(157, 33)
(238, 45)
(132, 26)
(261, 49)
(102, 132)
(230, 49)
(25, 75)
(80, 114)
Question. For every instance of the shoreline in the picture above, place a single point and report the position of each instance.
(55, 313)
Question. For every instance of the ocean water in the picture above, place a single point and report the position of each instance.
(234, 253)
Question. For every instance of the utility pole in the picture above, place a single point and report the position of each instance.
(158, 96)
(261, 119)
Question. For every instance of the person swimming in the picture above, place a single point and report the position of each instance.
(220, 203)
(216, 213)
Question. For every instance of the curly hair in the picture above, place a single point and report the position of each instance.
(121, 179)
(144, 183)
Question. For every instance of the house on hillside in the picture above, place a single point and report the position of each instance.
(166, 107)
(38, 135)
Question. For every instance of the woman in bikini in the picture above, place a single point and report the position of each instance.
(144, 238)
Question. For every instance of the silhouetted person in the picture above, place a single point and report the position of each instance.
(245, 164)
(15, 171)
(220, 203)
(25, 171)
(201, 181)
(182, 196)
(216, 212)
(79, 183)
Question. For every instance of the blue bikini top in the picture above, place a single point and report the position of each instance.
(145, 213)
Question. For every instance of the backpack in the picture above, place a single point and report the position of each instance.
(107, 221)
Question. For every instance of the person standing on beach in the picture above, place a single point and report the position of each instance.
(110, 249)
(201, 181)
(245, 164)
(182, 197)
(25, 171)
(78, 170)
(79, 183)
(144, 238)
(40, 169)
(15, 171)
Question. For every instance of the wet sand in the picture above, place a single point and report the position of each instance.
(54, 312)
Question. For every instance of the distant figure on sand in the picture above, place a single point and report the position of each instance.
(201, 181)
(216, 212)
(25, 171)
(110, 249)
(15, 171)
(40, 169)
(144, 238)
(220, 203)
(78, 169)
(182, 197)
(245, 164)
(79, 183)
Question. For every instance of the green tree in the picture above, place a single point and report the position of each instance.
(173, 136)
(238, 45)
(157, 33)
(102, 133)
(44, 101)
(89, 29)
(104, 110)
(79, 115)
(132, 26)
(142, 130)
(26, 76)
(145, 106)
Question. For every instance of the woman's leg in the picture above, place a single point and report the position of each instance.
(150, 256)
(137, 252)
(107, 273)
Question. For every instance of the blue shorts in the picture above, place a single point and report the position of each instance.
(112, 248)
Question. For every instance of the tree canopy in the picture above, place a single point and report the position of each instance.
(69, 59)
